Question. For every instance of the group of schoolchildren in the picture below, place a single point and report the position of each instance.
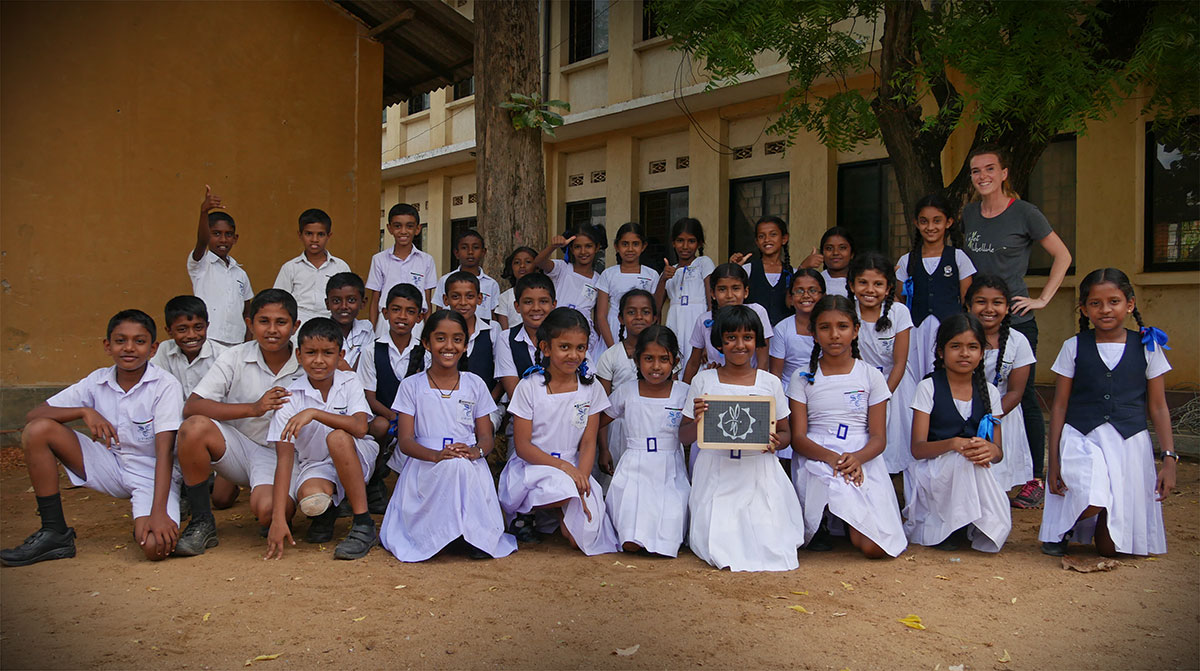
(876, 369)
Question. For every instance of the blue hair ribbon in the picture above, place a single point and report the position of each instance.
(708, 323)
(392, 427)
(535, 368)
(987, 427)
(811, 377)
(1152, 336)
(583, 368)
(908, 293)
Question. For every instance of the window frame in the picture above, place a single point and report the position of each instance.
(457, 94)
(733, 183)
(885, 231)
(655, 260)
(575, 22)
(1149, 265)
(422, 99)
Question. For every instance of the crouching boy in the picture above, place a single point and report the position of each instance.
(322, 450)
(132, 410)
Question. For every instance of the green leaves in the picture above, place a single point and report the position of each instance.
(528, 111)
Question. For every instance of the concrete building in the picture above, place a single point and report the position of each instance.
(645, 142)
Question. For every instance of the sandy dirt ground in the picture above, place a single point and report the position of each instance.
(549, 607)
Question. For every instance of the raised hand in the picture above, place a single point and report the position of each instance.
(211, 201)
(668, 270)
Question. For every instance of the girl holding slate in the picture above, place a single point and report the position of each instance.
(743, 514)
(839, 425)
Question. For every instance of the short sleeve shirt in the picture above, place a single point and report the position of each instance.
(574, 290)
(1110, 354)
(965, 267)
(840, 399)
(559, 420)
(923, 400)
(794, 349)
(878, 347)
(440, 421)
(345, 398)
(240, 375)
(189, 373)
(306, 283)
(224, 288)
(708, 382)
(1001, 245)
(1017, 354)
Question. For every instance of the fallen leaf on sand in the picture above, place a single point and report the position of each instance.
(911, 621)
(505, 637)
(839, 615)
(941, 577)
(400, 586)
(493, 588)
(848, 586)
(1014, 599)
(955, 667)
(152, 589)
(799, 593)
(1088, 565)
(1151, 558)
(778, 596)
(263, 658)
(617, 563)
(799, 609)
(120, 546)
(996, 577)
(206, 616)
(1005, 658)
(627, 652)
(360, 619)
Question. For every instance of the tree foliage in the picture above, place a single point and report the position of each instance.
(1022, 72)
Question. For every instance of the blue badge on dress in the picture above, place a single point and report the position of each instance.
(735, 454)
(843, 431)
(446, 442)
(652, 444)
(683, 300)
(556, 455)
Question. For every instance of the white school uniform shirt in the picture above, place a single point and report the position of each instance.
(616, 284)
(708, 382)
(704, 327)
(1017, 353)
(152, 406)
(686, 286)
(224, 288)
(795, 349)
(505, 366)
(574, 290)
(388, 270)
(438, 421)
(360, 339)
(616, 367)
(923, 400)
(241, 376)
(397, 359)
(965, 267)
(833, 401)
(1110, 354)
(878, 347)
(650, 423)
(345, 398)
(306, 283)
(559, 420)
(506, 307)
(489, 291)
(834, 285)
(189, 373)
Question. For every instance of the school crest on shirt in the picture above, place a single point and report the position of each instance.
(948, 271)
(856, 401)
(735, 422)
(888, 345)
(416, 277)
(579, 418)
(589, 291)
(143, 430)
(466, 410)
(674, 417)
(643, 282)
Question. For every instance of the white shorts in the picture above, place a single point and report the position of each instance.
(108, 474)
(245, 462)
(303, 471)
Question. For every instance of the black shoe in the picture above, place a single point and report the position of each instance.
(524, 531)
(377, 496)
(200, 535)
(952, 542)
(1056, 549)
(475, 553)
(42, 545)
(821, 541)
(358, 542)
(321, 529)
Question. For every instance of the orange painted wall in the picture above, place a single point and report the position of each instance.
(113, 117)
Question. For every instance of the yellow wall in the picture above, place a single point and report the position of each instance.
(115, 116)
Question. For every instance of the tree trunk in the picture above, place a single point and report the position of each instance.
(510, 177)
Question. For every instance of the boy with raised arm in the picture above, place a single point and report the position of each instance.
(217, 279)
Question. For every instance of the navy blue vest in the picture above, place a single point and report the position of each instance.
(936, 294)
(520, 353)
(386, 382)
(944, 420)
(773, 298)
(482, 360)
(1100, 395)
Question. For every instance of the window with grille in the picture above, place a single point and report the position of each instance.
(658, 213)
(1172, 205)
(750, 199)
(589, 28)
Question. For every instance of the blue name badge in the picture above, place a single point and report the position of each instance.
(652, 444)
(735, 454)
(446, 442)
(683, 300)
(556, 455)
(843, 431)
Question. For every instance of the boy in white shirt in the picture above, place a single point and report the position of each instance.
(402, 264)
(227, 417)
(189, 353)
(305, 276)
(322, 450)
(132, 410)
(217, 279)
(345, 296)
(469, 249)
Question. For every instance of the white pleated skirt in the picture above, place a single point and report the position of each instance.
(648, 498)
(744, 515)
(949, 493)
(870, 508)
(435, 503)
(681, 319)
(897, 454)
(922, 344)
(1105, 470)
(525, 486)
(1016, 468)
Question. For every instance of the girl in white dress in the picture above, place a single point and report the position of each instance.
(955, 441)
(744, 515)
(730, 286)
(835, 253)
(1101, 477)
(629, 273)
(792, 343)
(555, 423)
(886, 326)
(647, 499)
(685, 284)
(518, 264)
(575, 277)
(989, 300)
(934, 277)
(839, 410)
(616, 367)
(445, 492)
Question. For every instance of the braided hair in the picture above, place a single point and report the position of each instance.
(692, 227)
(725, 271)
(655, 334)
(830, 303)
(953, 236)
(597, 235)
(860, 264)
(1113, 276)
(962, 322)
(986, 281)
(838, 232)
(633, 293)
(785, 274)
(555, 324)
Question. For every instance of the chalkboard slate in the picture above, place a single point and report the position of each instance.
(737, 422)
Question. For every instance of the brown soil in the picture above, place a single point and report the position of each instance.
(549, 607)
